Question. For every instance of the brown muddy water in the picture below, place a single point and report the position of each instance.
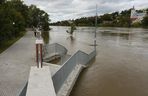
(121, 64)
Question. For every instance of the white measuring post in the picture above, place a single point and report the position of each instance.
(95, 35)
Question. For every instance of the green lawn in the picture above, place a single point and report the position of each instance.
(6, 44)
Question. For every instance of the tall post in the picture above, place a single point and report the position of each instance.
(95, 29)
(39, 57)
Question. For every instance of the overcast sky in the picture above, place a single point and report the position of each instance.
(71, 9)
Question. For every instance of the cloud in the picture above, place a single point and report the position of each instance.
(71, 9)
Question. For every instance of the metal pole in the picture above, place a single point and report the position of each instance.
(95, 29)
(37, 55)
(96, 22)
(41, 57)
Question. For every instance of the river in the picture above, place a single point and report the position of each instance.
(121, 64)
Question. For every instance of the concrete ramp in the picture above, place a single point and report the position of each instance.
(40, 82)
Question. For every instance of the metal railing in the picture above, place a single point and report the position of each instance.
(78, 58)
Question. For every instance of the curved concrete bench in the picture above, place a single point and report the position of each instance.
(54, 50)
(51, 57)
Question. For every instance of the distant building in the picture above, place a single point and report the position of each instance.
(136, 16)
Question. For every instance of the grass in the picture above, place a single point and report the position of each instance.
(6, 44)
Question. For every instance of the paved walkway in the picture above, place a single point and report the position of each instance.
(40, 82)
(15, 65)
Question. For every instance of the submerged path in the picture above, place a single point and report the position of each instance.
(15, 64)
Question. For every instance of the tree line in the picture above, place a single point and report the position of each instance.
(15, 16)
(115, 19)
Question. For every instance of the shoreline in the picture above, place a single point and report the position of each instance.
(101, 26)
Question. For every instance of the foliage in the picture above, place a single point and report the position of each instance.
(145, 21)
(38, 18)
(45, 35)
(2, 1)
(72, 28)
(15, 16)
(136, 24)
(115, 19)
(11, 22)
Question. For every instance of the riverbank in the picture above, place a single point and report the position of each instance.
(103, 26)
(6, 44)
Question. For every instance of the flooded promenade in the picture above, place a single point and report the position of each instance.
(120, 68)
(15, 65)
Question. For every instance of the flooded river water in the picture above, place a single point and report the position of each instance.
(121, 64)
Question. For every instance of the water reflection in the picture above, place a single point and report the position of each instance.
(125, 34)
(145, 39)
(71, 38)
(46, 36)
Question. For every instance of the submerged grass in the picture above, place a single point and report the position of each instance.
(6, 44)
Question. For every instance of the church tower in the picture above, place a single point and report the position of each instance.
(133, 14)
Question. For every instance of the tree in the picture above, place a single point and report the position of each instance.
(22, 8)
(114, 19)
(107, 17)
(45, 22)
(39, 18)
(2, 1)
(145, 21)
(72, 28)
(11, 22)
(16, 16)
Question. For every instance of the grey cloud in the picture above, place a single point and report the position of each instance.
(70, 9)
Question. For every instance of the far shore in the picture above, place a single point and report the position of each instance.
(101, 26)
